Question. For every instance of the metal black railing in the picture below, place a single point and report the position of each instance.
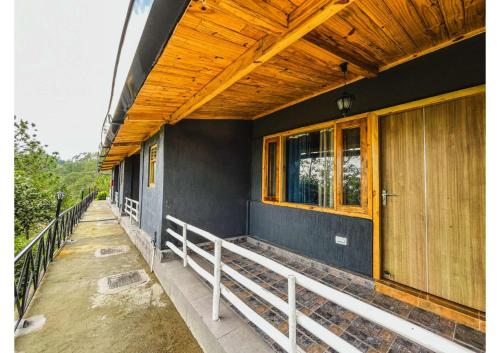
(30, 264)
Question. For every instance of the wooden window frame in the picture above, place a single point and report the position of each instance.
(152, 165)
(363, 211)
(265, 168)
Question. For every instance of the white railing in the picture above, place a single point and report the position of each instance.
(400, 326)
(132, 209)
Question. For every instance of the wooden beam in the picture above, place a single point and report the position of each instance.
(432, 100)
(125, 144)
(434, 48)
(355, 65)
(134, 151)
(306, 8)
(145, 117)
(263, 50)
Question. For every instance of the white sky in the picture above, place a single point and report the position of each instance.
(64, 57)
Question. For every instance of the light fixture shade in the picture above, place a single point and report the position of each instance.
(344, 103)
(59, 195)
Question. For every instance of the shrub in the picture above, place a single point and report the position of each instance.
(102, 195)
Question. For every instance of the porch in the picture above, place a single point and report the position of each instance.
(96, 321)
(195, 302)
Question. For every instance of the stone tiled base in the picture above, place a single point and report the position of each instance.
(455, 312)
(367, 336)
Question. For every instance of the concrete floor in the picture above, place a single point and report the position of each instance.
(138, 319)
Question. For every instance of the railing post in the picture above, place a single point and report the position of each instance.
(184, 244)
(292, 315)
(217, 267)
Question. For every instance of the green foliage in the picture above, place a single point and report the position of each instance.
(35, 180)
(79, 174)
(38, 175)
(102, 195)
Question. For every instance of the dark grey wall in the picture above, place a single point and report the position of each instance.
(207, 166)
(116, 182)
(125, 181)
(135, 161)
(312, 233)
(151, 198)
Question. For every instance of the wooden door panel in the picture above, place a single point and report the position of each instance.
(403, 218)
(455, 153)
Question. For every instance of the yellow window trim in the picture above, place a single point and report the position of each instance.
(153, 153)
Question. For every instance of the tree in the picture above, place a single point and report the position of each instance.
(38, 175)
(35, 180)
(79, 174)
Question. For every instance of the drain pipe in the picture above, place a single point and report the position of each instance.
(153, 253)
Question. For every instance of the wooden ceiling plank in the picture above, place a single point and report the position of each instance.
(365, 30)
(475, 12)
(356, 66)
(257, 13)
(206, 42)
(384, 68)
(308, 7)
(453, 14)
(256, 55)
(285, 6)
(220, 31)
(432, 20)
(406, 14)
(381, 15)
(349, 52)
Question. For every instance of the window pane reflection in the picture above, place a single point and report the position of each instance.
(351, 166)
(309, 168)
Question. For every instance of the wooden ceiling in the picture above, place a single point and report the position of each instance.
(244, 59)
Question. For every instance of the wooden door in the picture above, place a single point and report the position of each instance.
(432, 160)
(403, 215)
(455, 153)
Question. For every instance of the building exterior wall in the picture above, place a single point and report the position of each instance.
(121, 189)
(129, 178)
(209, 171)
(135, 166)
(208, 174)
(312, 233)
(151, 198)
(116, 182)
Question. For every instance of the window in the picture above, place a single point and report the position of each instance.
(309, 168)
(270, 170)
(321, 167)
(152, 165)
(352, 165)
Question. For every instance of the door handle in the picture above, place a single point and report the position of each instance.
(384, 197)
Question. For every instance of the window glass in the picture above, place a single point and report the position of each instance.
(309, 168)
(271, 169)
(351, 166)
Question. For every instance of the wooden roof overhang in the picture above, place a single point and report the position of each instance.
(244, 59)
